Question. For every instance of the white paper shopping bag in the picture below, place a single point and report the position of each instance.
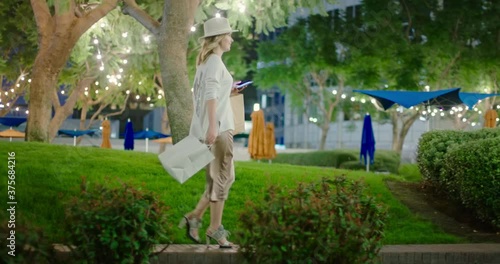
(186, 158)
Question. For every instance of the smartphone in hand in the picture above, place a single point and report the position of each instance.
(243, 84)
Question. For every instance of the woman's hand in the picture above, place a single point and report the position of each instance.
(211, 135)
(235, 90)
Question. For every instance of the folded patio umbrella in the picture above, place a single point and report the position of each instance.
(367, 143)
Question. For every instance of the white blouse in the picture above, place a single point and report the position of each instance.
(212, 81)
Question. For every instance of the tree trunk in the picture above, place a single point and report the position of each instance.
(397, 145)
(395, 131)
(46, 70)
(324, 134)
(178, 17)
(62, 112)
(57, 35)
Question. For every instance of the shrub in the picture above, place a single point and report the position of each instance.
(344, 158)
(434, 145)
(115, 225)
(331, 221)
(476, 181)
(31, 245)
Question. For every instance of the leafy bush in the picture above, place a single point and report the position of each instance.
(327, 222)
(433, 146)
(384, 160)
(31, 246)
(476, 177)
(115, 225)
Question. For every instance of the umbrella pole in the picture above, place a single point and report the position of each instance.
(147, 144)
(367, 161)
(10, 139)
(74, 141)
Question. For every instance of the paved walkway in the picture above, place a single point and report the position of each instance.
(393, 254)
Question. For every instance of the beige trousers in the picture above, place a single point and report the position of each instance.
(220, 172)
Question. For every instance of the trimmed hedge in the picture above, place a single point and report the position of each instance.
(476, 177)
(385, 160)
(466, 167)
(434, 145)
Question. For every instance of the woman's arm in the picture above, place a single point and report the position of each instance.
(212, 121)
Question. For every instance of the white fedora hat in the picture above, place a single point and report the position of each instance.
(216, 26)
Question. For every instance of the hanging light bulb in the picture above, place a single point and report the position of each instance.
(193, 28)
(241, 8)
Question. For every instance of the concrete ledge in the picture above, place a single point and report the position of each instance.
(392, 254)
(441, 254)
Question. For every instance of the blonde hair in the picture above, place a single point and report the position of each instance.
(208, 45)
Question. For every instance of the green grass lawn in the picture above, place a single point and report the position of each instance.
(48, 175)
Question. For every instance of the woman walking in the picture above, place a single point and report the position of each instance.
(213, 123)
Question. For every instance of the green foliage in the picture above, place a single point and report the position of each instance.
(476, 177)
(49, 175)
(347, 159)
(263, 17)
(331, 221)
(434, 145)
(115, 225)
(31, 245)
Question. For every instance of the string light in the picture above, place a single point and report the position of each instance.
(193, 28)
(242, 7)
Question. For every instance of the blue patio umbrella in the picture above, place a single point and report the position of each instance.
(75, 133)
(151, 134)
(367, 143)
(441, 98)
(12, 121)
(129, 136)
(470, 99)
(148, 134)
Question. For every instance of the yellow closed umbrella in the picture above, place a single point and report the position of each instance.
(490, 118)
(270, 142)
(106, 134)
(256, 140)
